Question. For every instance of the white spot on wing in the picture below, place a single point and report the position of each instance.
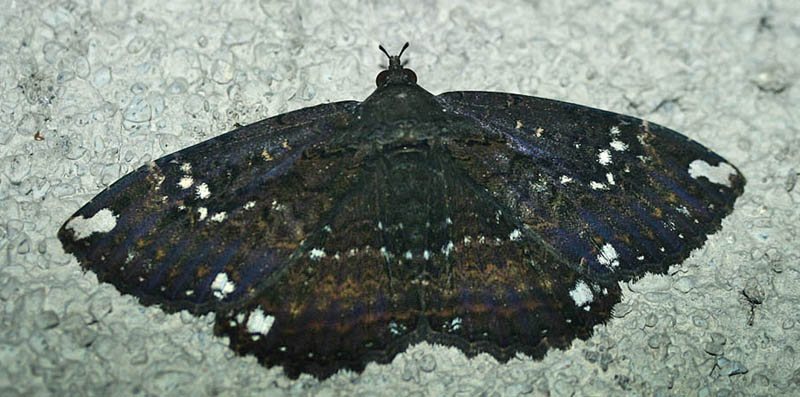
(202, 191)
(394, 328)
(618, 145)
(186, 182)
(718, 174)
(610, 178)
(614, 130)
(565, 179)
(581, 294)
(102, 221)
(316, 254)
(186, 167)
(222, 286)
(159, 180)
(249, 204)
(218, 217)
(604, 157)
(386, 254)
(455, 324)
(597, 185)
(608, 256)
(259, 322)
(203, 211)
(447, 248)
(515, 235)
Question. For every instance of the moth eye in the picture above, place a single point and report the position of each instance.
(382, 76)
(410, 75)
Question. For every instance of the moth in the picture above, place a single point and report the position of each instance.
(337, 235)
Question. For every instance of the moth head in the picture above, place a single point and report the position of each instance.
(396, 73)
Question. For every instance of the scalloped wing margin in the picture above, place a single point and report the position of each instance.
(616, 195)
(200, 228)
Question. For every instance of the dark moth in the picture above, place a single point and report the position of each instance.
(340, 234)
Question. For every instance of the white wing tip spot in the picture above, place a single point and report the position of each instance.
(515, 235)
(102, 221)
(249, 204)
(203, 211)
(565, 179)
(222, 286)
(719, 174)
(597, 185)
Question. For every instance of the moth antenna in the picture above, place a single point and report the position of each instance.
(401, 51)
(380, 47)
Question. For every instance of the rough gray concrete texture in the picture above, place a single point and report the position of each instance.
(90, 90)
